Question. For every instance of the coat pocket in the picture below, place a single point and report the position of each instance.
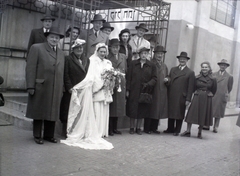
(40, 81)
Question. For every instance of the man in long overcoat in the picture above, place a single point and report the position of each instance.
(118, 106)
(37, 35)
(44, 79)
(75, 70)
(94, 35)
(159, 108)
(181, 86)
(224, 87)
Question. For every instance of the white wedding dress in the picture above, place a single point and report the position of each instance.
(89, 109)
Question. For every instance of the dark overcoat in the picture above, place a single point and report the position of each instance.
(129, 56)
(159, 109)
(224, 83)
(238, 120)
(44, 73)
(180, 90)
(136, 77)
(118, 106)
(74, 73)
(36, 36)
(200, 110)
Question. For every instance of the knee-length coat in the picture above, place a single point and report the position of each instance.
(224, 83)
(136, 77)
(74, 73)
(118, 106)
(200, 110)
(44, 73)
(181, 87)
(159, 109)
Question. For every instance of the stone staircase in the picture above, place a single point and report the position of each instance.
(13, 112)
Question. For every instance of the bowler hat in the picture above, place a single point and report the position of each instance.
(47, 17)
(143, 26)
(107, 25)
(224, 61)
(159, 48)
(183, 54)
(98, 17)
(143, 49)
(78, 42)
(113, 42)
(1, 80)
(54, 30)
(124, 31)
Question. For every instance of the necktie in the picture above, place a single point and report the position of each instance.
(53, 48)
(96, 34)
(180, 67)
(138, 42)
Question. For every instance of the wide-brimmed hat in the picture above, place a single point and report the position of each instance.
(54, 30)
(143, 49)
(143, 26)
(78, 42)
(124, 31)
(47, 17)
(107, 25)
(159, 48)
(113, 42)
(1, 80)
(183, 54)
(224, 61)
(98, 17)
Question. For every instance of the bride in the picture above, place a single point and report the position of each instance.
(89, 106)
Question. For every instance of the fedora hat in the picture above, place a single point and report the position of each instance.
(183, 54)
(224, 61)
(143, 26)
(107, 25)
(54, 30)
(47, 17)
(143, 49)
(159, 48)
(78, 42)
(98, 17)
(113, 42)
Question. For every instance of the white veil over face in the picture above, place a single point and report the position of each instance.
(82, 129)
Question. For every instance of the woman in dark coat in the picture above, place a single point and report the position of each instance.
(141, 78)
(159, 109)
(75, 70)
(200, 110)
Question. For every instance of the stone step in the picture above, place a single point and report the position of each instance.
(16, 105)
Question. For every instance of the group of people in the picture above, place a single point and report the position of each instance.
(72, 87)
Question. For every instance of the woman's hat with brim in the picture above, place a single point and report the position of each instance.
(54, 30)
(224, 61)
(143, 49)
(143, 26)
(78, 42)
(107, 25)
(98, 17)
(47, 17)
(113, 42)
(1, 80)
(159, 48)
(183, 54)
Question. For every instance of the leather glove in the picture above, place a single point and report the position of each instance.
(31, 91)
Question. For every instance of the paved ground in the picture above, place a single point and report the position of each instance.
(133, 155)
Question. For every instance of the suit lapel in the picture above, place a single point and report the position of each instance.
(41, 34)
(76, 61)
(178, 73)
(50, 51)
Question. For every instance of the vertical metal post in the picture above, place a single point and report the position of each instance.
(59, 13)
(72, 23)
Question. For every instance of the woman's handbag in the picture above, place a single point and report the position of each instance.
(145, 98)
(2, 102)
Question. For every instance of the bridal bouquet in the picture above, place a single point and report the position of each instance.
(112, 78)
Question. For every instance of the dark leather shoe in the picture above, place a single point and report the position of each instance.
(131, 131)
(175, 134)
(148, 132)
(167, 131)
(111, 134)
(215, 131)
(206, 128)
(156, 132)
(199, 135)
(38, 140)
(139, 131)
(53, 140)
(117, 132)
(186, 134)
